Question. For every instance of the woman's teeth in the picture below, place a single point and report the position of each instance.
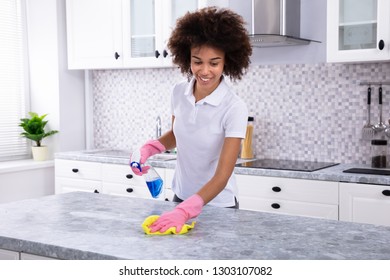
(204, 79)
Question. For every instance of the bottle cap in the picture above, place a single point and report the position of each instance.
(379, 142)
(251, 119)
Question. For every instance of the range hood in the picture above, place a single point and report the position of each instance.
(276, 23)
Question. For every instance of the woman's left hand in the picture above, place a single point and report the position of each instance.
(189, 208)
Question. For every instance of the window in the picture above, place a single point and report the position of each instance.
(13, 80)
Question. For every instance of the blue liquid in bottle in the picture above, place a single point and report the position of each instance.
(152, 179)
(155, 187)
(154, 182)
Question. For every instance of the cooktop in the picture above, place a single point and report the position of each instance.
(283, 164)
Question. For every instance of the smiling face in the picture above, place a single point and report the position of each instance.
(207, 64)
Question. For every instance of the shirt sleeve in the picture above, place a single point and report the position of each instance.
(236, 120)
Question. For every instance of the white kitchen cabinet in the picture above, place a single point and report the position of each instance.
(75, 175)
(358, 31)
(94, 34)
(122, 33)
(64, 185)
(113, 179)
(147, 29)
(8, 255)
(311, 198)
(365, 203)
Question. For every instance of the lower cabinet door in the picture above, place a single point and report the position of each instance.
(8, 255)
(365, 203)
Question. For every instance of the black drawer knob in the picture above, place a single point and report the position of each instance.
(96, 191)
(386, 192)
(166, 199)
(75, 170)
(129, 176)
(276, 189)
(275, 205)
(129, 190)
(381, 45)
(116, 55)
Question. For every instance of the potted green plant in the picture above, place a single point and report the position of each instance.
(34, 129)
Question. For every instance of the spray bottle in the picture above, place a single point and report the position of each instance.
(152, 179)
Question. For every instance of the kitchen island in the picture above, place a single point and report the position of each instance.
(82, 225)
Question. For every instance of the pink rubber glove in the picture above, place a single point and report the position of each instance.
(189, 208)
(149, 149)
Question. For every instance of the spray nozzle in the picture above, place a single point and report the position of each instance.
(135, 160)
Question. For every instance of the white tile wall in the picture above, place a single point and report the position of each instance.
(303, 112)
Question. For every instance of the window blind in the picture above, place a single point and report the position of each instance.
(13, 80)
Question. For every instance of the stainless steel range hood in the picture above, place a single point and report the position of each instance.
(276, 23)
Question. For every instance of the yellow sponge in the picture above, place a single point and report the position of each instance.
(172, 230)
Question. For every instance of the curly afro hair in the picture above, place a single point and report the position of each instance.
(216, 27)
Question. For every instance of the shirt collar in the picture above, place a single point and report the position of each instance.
(215, 98)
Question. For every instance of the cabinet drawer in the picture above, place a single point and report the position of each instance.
(130, 191)
(316, 210)
(65, 185)
(121, 174)
(313, 191)
(78, 169)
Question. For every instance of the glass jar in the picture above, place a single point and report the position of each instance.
(378, 153)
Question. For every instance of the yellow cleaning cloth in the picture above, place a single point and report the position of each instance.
(172, 230)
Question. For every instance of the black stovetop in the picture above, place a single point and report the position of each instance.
(283, 164)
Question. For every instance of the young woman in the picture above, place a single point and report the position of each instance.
(208, 119)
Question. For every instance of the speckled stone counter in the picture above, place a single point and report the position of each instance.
(334, 173)
(95, 226)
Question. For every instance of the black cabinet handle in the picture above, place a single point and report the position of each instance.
(129, 176)
(275, 205)
(276, 189)
(166, 199)
(165, 53)
(96, 191)
(117, 55)
(156, 54)
(381, 45)
(75, 170)
(129, 190)
(386, 192)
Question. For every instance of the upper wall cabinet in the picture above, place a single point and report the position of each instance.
(94, 34)
(147, 29)
(358, 31)
(122, 33)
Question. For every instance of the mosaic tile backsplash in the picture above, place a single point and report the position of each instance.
(302, 111)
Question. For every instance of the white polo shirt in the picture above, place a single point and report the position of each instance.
(200, 129)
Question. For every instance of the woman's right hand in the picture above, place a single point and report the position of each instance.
(138, 158)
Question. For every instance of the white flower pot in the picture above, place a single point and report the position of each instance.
(39, 153)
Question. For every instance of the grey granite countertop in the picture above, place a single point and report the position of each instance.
(334, 173)
(82, 225)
